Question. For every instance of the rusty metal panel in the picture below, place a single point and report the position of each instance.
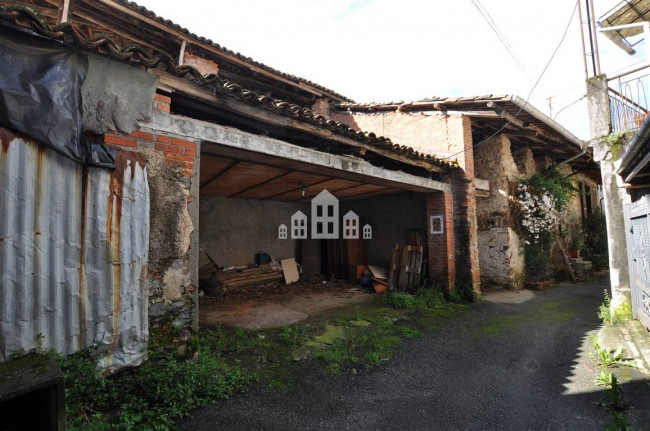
(73, 254)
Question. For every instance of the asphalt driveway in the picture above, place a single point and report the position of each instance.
(500, 366)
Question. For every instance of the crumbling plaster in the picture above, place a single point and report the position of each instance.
(501, 255)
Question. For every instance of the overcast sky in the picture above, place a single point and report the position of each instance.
(389, 50)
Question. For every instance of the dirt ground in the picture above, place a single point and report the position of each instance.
(278, 305)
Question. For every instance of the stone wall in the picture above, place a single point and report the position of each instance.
(501, 253)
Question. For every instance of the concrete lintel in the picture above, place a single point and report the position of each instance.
(235, 139)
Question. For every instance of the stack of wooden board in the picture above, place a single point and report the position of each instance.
(249, 277)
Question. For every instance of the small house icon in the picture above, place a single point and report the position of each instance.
(350, 225)
(367, 231)
(282, 231)
(325, 216)
(299, 225)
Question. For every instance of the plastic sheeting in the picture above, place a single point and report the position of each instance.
(40, 94)
(73, 254)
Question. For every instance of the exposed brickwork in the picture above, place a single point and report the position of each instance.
(441, 247)
(180, 153)
(119, 141)
(204, 66)
(322, 107)
(441, 135)
(162, 103)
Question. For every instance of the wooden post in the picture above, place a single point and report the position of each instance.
(64, 11)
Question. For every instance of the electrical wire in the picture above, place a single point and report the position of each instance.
(569, 105)
(493, 25)
(550, 60)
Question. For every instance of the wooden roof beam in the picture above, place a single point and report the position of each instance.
(230, 104)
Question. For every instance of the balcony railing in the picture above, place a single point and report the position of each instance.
(628, 104)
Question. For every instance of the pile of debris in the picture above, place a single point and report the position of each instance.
(221, 282)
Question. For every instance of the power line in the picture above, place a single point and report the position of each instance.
(493, 25)
(550, 60)
(569, 105)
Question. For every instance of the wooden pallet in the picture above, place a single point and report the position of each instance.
(405, 268)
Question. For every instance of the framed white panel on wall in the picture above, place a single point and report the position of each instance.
(437, 224)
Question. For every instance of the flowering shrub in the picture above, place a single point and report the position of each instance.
(539, 212)
(539, 203)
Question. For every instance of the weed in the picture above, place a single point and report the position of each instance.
(424, 298)
(615, 395)
(294, 336)
(407, 331)
(604, 312)
(604, 378)
(622, 313)
(619, 422)
(371, 359)
(401, 300)
(607, 356)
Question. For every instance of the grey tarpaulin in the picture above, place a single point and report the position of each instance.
(40, 94)
(116, 95)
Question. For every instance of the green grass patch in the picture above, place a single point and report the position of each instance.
(219, 362)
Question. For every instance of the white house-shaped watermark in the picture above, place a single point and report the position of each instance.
(282, 231)
(367, 231)
(325, 216)
(299, 225)
(350, 225)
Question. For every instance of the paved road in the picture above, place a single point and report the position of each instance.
(502, 366)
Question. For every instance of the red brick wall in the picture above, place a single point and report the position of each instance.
(441, 135)
(179, 153)
(433, 134)
(442, 256)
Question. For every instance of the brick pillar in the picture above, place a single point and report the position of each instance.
(440, 239)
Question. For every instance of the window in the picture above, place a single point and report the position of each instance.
(330, 227)
(330, 211)
(319, 211)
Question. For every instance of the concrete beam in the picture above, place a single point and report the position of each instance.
(231, 142)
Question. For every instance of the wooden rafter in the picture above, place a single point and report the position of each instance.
(220, 173)
(254, 186)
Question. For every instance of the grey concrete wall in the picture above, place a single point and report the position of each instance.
(232, 231)
(391, 217)
(615, 196)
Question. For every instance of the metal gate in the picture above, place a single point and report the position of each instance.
(638, 247)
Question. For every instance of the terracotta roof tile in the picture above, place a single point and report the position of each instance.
(133, 53)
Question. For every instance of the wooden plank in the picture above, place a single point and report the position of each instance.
(64, 11)
(239, 177)
(378, 272)
(290, 270)
(219, 173)
(269, 180)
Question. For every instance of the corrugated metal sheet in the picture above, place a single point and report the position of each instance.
(73, 254)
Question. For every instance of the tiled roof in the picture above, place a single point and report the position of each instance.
(133, 53)
(511, 104)
(143, 10)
